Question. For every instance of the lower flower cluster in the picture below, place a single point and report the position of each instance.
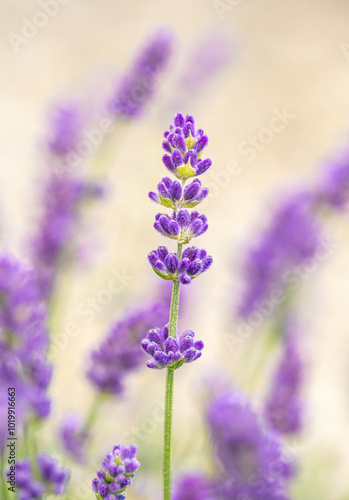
(168, 352)
(118, 468)
(53, 478)
(193, 263)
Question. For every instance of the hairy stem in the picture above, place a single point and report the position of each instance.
(169, 388)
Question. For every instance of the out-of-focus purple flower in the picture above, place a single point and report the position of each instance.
(62, 195)
(53, 478)
(119, 353)
(66, 124)
(291, 239)
(283, 409)
(23, 339)
(332, 189)
(193, 487)
(193, 263)
(184, 146)
(170, 194)
(73, 436)
(169, 352)
(118, 468)
(252, 460)
(181, 226)
(212, 53)
(138, 86)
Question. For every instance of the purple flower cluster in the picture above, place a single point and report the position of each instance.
(119, 353)
(168, 352)
(61, 199)
(73, 437)
(65, 129)
(185, 145)
(170, 194)
(23, 339)
(53, 478)
(193, 263)
(117, 470)
(332, 189)
(193, 487)
(283, 409)
(291, 239)
(253, 464)
(181, 226)
(139, 84)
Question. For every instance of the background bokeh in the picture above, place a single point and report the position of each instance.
(291, 55)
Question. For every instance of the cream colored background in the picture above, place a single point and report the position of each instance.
(290, 55)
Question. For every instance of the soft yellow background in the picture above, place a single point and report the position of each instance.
(292, 54)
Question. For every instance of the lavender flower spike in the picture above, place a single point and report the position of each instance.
(253, 464)
(184, 146)
(119, 353)
(168, 352)
(139, 84)
(52, 478)
(283, 408)
(193, 263)
(117, 470)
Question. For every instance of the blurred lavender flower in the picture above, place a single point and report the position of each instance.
(291, 239)
(119, 353)
(193, 487)
(185, 145)
(23, 339)
(168, 352)
(73, 436)
(118, 468)
(53, 478)
(283, 409)
(193, 263)
(63, 192)
(332, 189)
(252, 460)
(138, 86)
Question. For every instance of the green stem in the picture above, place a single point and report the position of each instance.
(2, 472)
(93, 412)
(169, 388)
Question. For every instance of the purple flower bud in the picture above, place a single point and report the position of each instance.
(176, 158)
(170, 345)
(179, 120)
(185, 342)
(173, 228)
(183, 218)
(203, 166)
(179, 143)
(160, 357)
(183, 265)
(162, 253)
(195, 267)
(154, 197)
(171, 262)
(191, 191)
(207, 263)
(199, 345)
(166, 146)
(185, 279)
(175, 191)
(201, 144)
(190, 355)
(192, 156)
(154, 336)
(168, 163)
